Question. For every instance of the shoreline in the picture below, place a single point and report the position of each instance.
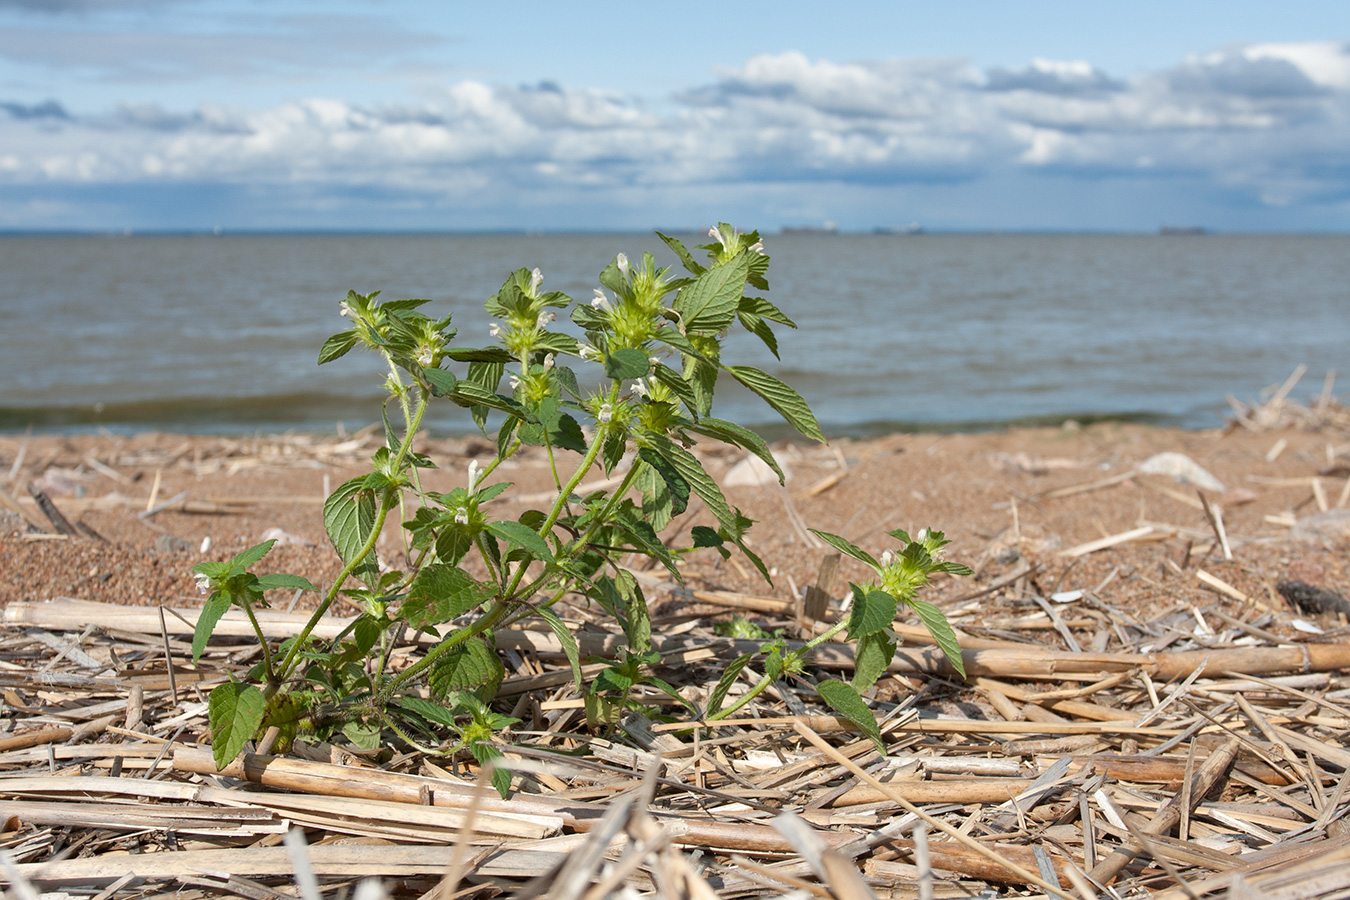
(1005, 497)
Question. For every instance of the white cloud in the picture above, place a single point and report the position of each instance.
(1267, 121)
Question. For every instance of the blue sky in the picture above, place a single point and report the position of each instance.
(381, 114)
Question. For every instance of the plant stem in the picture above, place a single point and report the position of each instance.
(366, 549)
(758, 687)
(488, 620)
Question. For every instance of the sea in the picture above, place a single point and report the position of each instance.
(210, 333)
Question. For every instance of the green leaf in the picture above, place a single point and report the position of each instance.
(485, 754)
(627, 364)
(703, 536)
(522, 536)
(677, 486)
(466, 667)
(235, 711)
(363, 735)
(479, 354)
(872, 612)
(349, 517)
(844, 700)
(637, 620)
(936, 622)
(242, 560)
(438, 593)
(215, 607)
(739, 436)
(337, 346)
(443, 382)
(729, 676)
(467, 393)
(657, 505)
(683, 253)
(870, 660)
(567, 639)
(709, 304)
(691, 470)
(282, 581)
(846, 548)
(758, 306)
(785, 401)
(428, 709)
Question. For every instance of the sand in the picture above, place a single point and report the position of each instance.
(993, 493)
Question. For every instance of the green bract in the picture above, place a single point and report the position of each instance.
(638, 387)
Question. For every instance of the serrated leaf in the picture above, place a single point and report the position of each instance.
(336, 346)
(245, 558)
(487, 754)
(521, 536)
(438, 593)
(871, 658)
(676, 485)
(683, 253)
(234, 711)
(785, 401)
(466, 667)
(844, 700)
(567, 639)
(703, 536)
(691, 470)
(428, 709)
(363, 735)
(729, 676)
(281, 581)
(638, 621)
(349, 517)
(627, 364)
(936, 622)
(847, 548)
(739, 436)
(872, 611)
(443, 382)
(709, 304)
(215, 607)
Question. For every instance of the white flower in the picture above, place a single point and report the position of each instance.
(757, 247)
(586, 351)
(887, 557)
(640, 388)
(536, 279)
(494, 329)
(514, 381)
(345, 310)
(203, 583)
(461, 516)
(544, 319)
(426, 356)
(548, 361)
(606, 414)
(600, 301)
(922, 535)
(474, 477)
(622, 262)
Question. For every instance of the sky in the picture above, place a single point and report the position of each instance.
(403, 115)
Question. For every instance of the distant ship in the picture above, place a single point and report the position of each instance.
(911, 228)
(827, 228)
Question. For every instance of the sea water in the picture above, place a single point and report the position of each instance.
(221, 333)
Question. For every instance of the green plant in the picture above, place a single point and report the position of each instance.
(654, 345)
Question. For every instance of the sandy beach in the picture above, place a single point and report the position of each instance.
(1006, 499)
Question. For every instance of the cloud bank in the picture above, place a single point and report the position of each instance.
(1249, 128)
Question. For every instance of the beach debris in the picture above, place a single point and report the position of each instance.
(1313, 600)
(1332, 525)
(1275, 411)
(755, 472)
(284, 537)
(1181, 469)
